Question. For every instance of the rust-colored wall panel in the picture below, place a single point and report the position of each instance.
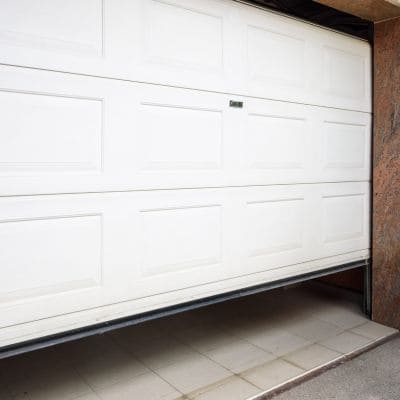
(372, 10)
(386, 175)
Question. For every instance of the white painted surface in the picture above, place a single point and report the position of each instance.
(65, 133)
(117, 247)
(274, 189)
(217, 45)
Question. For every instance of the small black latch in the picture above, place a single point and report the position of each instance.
(236, 104)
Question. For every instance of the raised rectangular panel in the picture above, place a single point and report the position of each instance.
(49, 255)
(181, 137)
(288, 60)
(213, 45)
(181, 239)
(182, 36)
(275, 142)
(344, 145)
(49, 133)
(343, 217)
(344, 73)
(275, 56)
(275, 226)
(57, 26)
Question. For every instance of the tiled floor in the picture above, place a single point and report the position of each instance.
(234, 351)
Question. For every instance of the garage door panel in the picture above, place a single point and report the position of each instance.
(50, 133)
(183, 239)
(293, 143)
(86, 251)
(65, 133)
(288, 226)
(61, 133)
(76, 253)
(43, 31)
(196, 40)
(275, 56)
(57, 253)
(345, 221)
(344, 73)
(183, 138)
(277, 142)
(344, 149)
(33, 36)
(279, 139)
(180, 136)
(288, 60)
(276, 227)
(214, 45)
(276, 233)
(164, 147)
(181, 43)
(51, 248)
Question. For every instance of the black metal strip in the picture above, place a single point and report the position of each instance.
(367, 300)
(40, 343)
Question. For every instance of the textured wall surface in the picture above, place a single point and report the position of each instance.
(373, 10)
(386, 175)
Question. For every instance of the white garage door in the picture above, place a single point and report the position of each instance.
(129, 182)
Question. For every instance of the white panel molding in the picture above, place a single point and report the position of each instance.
(166, 241)
(64, 133)
(128, 183)
(49, 132)
(60, 323)
(214, 45)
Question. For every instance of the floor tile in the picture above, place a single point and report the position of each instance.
(193, 374)
(91, 396)
(312, 356)
(162, 352)
(204, 340)
(239, 356)
(342, 317)
(50, 384)
(234, 388)
(272, 374)
(77, 351)
(346, 342)
(4, 393)
(198, 352)
(144, 387)
(103, 370)
(314, 330)
(373, 330)
(277, 342)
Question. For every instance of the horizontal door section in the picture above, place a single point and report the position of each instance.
(66, 253)
(292, 143)
(63, 133)
(290, 60)
(217, 45)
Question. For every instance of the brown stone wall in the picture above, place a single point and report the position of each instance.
(386, 174)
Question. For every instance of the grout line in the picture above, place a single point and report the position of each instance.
(333, 362)
(269, 393)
